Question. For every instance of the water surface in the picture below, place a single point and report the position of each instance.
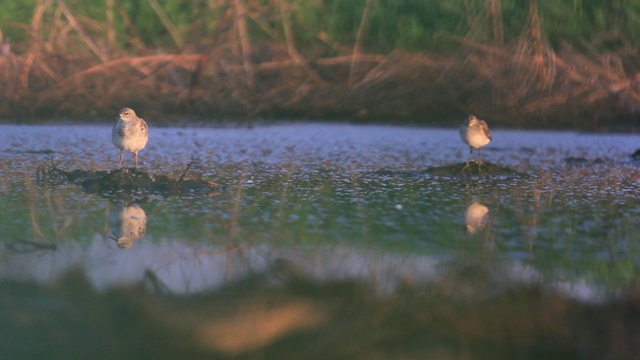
(339, 201)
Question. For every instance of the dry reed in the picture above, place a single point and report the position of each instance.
(528, 83)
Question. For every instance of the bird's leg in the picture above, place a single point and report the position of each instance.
(121, 157)
(468, 159)
(136, 156)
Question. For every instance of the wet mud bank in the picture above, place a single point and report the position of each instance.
(128, 182)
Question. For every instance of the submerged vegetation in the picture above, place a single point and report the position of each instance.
(519, 63)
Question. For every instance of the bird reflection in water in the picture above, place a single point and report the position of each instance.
(128, 224)
(475, 218)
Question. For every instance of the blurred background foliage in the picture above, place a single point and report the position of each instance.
(414, 25)
(564, 63)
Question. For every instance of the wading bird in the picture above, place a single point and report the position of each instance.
(475, 133)
(129, 133)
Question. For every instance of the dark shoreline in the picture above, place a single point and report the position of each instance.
(169, 122)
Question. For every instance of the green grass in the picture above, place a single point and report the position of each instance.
(415, 25)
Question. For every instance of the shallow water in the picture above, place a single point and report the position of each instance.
(336, 201)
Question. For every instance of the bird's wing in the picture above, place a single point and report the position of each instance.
(143, 126)
(485, 128)
(118, 128)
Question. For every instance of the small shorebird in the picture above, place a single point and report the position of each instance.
(129, 133)
(475, 133)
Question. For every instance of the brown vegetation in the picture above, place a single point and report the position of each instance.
(507, 85)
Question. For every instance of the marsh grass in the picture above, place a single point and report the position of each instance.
(364, 60)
